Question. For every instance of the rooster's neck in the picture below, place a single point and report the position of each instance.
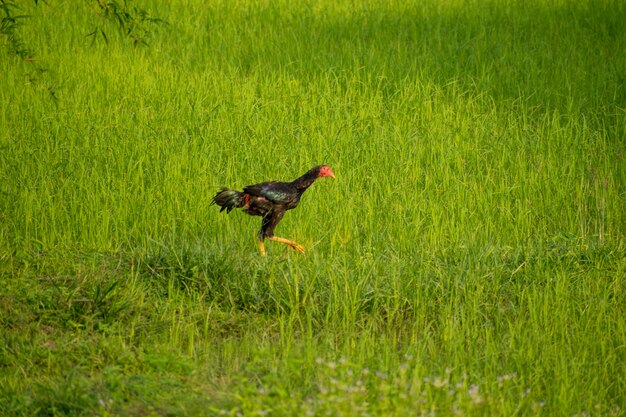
(305, 181)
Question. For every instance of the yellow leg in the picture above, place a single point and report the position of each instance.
(291, 243)
(262, 248)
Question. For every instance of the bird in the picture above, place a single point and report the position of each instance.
(270, 200)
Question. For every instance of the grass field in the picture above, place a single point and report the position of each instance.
(469, 259)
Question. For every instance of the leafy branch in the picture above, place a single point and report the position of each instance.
(10, 23)
(133, 21)
(9, 26)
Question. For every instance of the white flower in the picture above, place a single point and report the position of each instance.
(439, 382)
(474, 394)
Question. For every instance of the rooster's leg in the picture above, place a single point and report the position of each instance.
(291, 243)
(262, 248)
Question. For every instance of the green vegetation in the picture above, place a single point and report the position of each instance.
(469, 259)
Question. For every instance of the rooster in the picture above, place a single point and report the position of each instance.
(271, 200)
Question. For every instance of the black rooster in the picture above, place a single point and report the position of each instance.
(271, 200)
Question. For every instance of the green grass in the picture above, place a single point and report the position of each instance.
(469, 259)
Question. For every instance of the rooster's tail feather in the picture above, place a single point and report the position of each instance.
(229, 199)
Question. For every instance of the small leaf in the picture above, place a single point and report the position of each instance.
(104, 35)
